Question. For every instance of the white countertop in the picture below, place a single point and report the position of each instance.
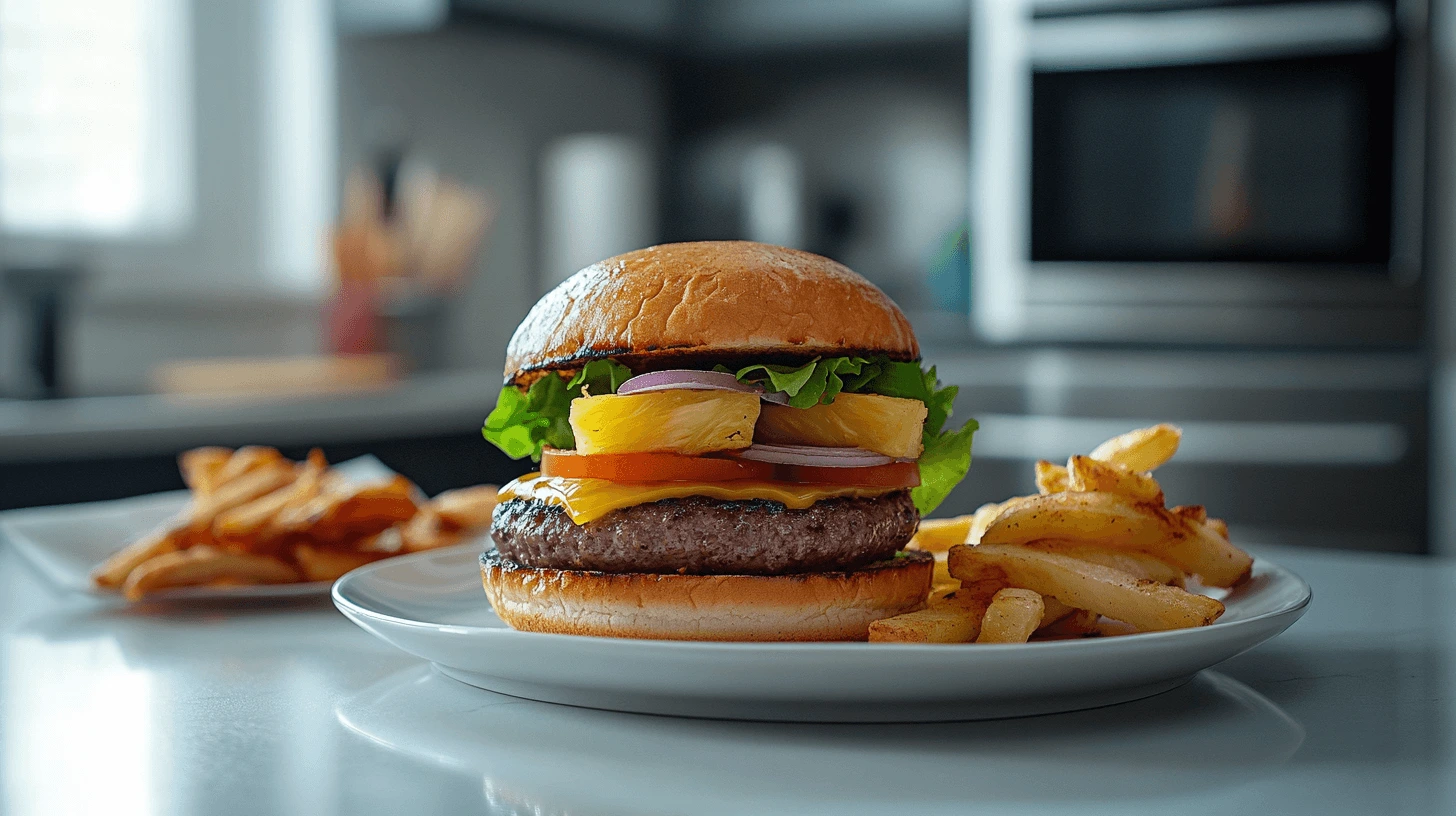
(293, 710)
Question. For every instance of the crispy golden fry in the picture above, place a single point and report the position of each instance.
(200, 467)
(982, 518)
(1050, 477)
(1219, 527)
(1112, 521)
(936, 624)
(1193, 512)
(1080, 623)
(1012, 616)
(251, 522)
(346, 511)
(1053, 610)
(1087, 475)
(425, 532)
(941, 578)
(203, 564)
(1134, 563)
(327, 564)
(1113, 628)
(169, 537)
(1141, 450)
(468, 508)
(939, 535)
(246, 460)
(951, 616)
(1145, 604)
(236, 492)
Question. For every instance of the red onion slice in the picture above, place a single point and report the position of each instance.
(686, 379)
(813, 456)
(776, 397)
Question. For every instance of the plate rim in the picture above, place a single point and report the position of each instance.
(352, 609)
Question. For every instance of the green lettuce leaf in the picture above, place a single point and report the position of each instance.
(599, 377)
(943, 464)
(523, 423)
(819, 380)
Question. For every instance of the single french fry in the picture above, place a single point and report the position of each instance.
(951, 616)
(328, 564)
(345, 511)
(1219, 528)
(1050, 477)
(1145, 604)
(1134, 563)
(941, 624)
(1012, 616)
(1113, 628)
(939, 535)
(425, 532)
(1080, 623)
(1053, 610)
(941, 578)
(200, 468)
(203, 564)
(468, 508)
(169, 537)
(1088, 475)
(981, 519)
(1141, 450)
(1112, 521)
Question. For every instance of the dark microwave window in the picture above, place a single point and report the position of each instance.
(1271, 161)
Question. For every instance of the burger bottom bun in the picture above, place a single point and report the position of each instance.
(805, 607)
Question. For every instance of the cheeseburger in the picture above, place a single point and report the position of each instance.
(736, 441)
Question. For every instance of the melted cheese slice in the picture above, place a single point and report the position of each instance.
(586, 500)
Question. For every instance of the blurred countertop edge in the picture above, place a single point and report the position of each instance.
(457, 401)
(99, 427)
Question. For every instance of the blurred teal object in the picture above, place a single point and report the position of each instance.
(949, 275)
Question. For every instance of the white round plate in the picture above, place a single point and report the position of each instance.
(432, 605)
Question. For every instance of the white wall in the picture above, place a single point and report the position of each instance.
(479, 105)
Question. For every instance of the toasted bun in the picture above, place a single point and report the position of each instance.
(813, 606)
(713, 301)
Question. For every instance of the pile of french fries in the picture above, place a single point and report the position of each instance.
(257, 517)
(1095, 552)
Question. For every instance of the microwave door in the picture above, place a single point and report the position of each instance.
(1140, 161)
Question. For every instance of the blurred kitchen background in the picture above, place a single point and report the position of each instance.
(299, 222)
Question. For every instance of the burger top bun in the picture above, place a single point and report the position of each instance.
(680, 305)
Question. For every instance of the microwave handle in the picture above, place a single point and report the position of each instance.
(1193, 37)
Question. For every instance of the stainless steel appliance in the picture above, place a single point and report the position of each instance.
(1198, 172)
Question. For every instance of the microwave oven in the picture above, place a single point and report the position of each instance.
(1208, 173)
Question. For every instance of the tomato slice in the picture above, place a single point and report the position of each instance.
(651, 467)
(673, 467)
(895, 474)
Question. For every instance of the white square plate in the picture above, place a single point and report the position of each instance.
(65, 542)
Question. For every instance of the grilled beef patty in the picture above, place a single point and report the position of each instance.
(703, 536)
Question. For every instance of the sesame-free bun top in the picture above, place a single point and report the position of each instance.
(694, 304)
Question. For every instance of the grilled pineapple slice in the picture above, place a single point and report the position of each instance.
(887, 425)
(680, 421)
